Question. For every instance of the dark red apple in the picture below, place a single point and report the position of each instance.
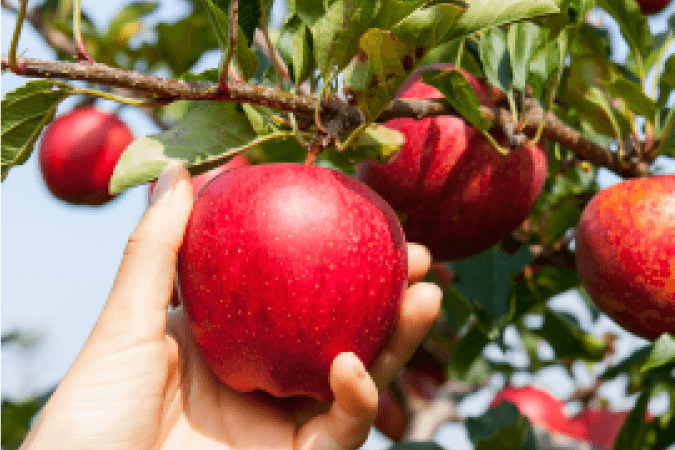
(538, 405)
(458, 195)
(392, 419)
(283, 267)
(78, 153)
(602, 426)
(649, 7)
(625, 254)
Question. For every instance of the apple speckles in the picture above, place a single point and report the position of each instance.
(625, 252)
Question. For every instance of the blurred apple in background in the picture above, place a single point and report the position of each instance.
(457, 194)
(78, 152)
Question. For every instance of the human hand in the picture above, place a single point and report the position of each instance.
(140, 381)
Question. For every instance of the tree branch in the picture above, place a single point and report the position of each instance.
(351, 117)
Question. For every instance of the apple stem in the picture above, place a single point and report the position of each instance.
(82, 53)
(14, 66)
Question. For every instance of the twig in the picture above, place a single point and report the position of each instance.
(82, 53)
(232, 31)
(351, 117)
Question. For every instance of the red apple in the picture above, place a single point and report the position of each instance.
(392, 419)
(603, 426)
(283, 267)
(458, 195)
(538, 405)
(625, 254)
(649, 7)
(198, 183)
(78, 153)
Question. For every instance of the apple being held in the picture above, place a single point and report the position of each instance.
(78, 153)
(538, 405)
(283, 267)
(198, 183)
(625, 254)
(458, 195)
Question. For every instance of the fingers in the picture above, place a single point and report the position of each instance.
(419, 261)
(420, 306)
(144, 283)
(347, 424)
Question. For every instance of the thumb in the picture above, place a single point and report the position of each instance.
(141, 293)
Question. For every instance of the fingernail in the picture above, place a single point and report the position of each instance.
(166, 181)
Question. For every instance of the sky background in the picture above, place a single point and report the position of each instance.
(58, 261)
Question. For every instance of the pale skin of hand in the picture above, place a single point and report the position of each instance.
(140, 382)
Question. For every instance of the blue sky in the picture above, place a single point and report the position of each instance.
(58, 261)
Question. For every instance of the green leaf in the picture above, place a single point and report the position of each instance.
(427, 27)
(486, 14)
(495, 57)
(457, 307)
(296, 47)
(632, 433)
(663, 353)
(633, 95)
(568, 339)
(245, 57)
(457, 90)
(17, 417)
(25, 111)
(171, 49)
(337, 33)
(630, 364)
(210, 131)
(126, 22)
(522, 38)
(543, 284)
(469, 347)
(376, 142)
(561, 216)
(310, 11)
(633, 23)
(374, 80)
(484, 280)
(667, 81)
(501, 427)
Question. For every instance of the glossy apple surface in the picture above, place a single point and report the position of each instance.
(625, 254)
(458, 195)
(283, 267)
(539, 406)
(78, 153)
(198, 183)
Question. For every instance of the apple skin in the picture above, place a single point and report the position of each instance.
(283, 267)
(459, 196)
(198, 183)
(538, 405)
(392, 419)
(78, 153)
(625, 254)
(602, 426)
(649, 7)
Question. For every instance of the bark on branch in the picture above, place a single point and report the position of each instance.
(168, 90)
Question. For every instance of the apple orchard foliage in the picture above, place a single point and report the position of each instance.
(363, 52)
